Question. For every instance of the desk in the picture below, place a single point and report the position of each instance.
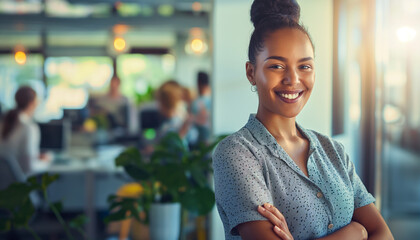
(86, 183)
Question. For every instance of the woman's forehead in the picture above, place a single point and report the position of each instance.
(288, 43)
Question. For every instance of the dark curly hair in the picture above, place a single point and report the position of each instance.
(269, 16)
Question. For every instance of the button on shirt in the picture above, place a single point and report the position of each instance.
(251, 168)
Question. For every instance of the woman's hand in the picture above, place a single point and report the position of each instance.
(277, 219)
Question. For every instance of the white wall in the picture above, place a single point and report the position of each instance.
(187, 66)
(317, 16)
(233, 100)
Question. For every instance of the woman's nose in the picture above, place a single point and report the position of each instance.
(291, 77)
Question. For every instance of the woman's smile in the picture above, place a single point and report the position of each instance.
(289, 96)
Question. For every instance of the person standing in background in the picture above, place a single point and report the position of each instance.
(20, 136)
(201, 107)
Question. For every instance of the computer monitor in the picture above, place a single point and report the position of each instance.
(76, 117)
(55, 136)
(150, 118)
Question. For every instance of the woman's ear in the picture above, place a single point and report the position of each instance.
(250, 72)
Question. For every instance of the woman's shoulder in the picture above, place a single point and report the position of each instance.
(240, 143)
(238, 139)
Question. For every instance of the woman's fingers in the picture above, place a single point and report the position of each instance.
(271, 217)
(275, 211)
(282, 234)
(277, 219)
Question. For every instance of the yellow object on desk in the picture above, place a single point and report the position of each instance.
(138, 231)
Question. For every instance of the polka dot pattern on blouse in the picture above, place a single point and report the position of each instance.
(251, 168)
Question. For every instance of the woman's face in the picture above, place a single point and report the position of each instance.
(283, 73)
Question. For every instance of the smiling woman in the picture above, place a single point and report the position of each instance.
(275, 179)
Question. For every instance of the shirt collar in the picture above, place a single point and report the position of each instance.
(264, 137)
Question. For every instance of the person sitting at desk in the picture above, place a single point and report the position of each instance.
(20, 136)
(114, 105)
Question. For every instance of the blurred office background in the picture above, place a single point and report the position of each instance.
(366, 92)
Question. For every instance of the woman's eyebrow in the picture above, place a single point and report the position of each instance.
(305, 59)
(277, 58)
(280, 58)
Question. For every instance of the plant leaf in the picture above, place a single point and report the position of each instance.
(14, 195)
(24, 213)
(137, 173)
(79, 221)
(198, 200)
(47, 179)
(116, 216)
(130, 156)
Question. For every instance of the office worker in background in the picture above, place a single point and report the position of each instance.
(20, 136)
(173, 107)
(201, 108)
(114, 106)
(275, 179)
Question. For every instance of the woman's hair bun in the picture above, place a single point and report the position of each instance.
(262, 10)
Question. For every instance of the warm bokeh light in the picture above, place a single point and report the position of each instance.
(120, 29)
(197, 45)
(406, 34)
(196, 6)
(119, 44)
(20, 57)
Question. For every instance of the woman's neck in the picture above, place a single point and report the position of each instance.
(282, 129)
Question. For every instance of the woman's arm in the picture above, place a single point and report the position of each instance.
(367, 224)
(261, 230)
(372, 220)
(353, 231)
(276, 228)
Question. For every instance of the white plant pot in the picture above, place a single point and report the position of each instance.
(165, 221)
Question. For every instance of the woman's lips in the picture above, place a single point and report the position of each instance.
(289, 96)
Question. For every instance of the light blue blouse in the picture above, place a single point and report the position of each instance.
(251, 168)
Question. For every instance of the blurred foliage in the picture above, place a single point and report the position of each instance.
(16, 202)
(172, 174)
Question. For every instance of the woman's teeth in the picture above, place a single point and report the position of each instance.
(290, 96)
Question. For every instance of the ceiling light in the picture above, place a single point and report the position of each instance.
(119, 44)
(20, 57)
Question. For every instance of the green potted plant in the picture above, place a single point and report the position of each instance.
(172, 177)
(15, 201)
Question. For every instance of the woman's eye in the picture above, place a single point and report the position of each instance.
(277, 66)
(305, 67)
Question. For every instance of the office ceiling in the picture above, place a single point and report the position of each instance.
(91, 22)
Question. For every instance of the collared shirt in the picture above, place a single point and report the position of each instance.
(251, 168)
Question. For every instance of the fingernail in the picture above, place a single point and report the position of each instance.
(261, 208)
(276, 229)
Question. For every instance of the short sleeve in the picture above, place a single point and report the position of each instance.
(240, 185)
(361, 196)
